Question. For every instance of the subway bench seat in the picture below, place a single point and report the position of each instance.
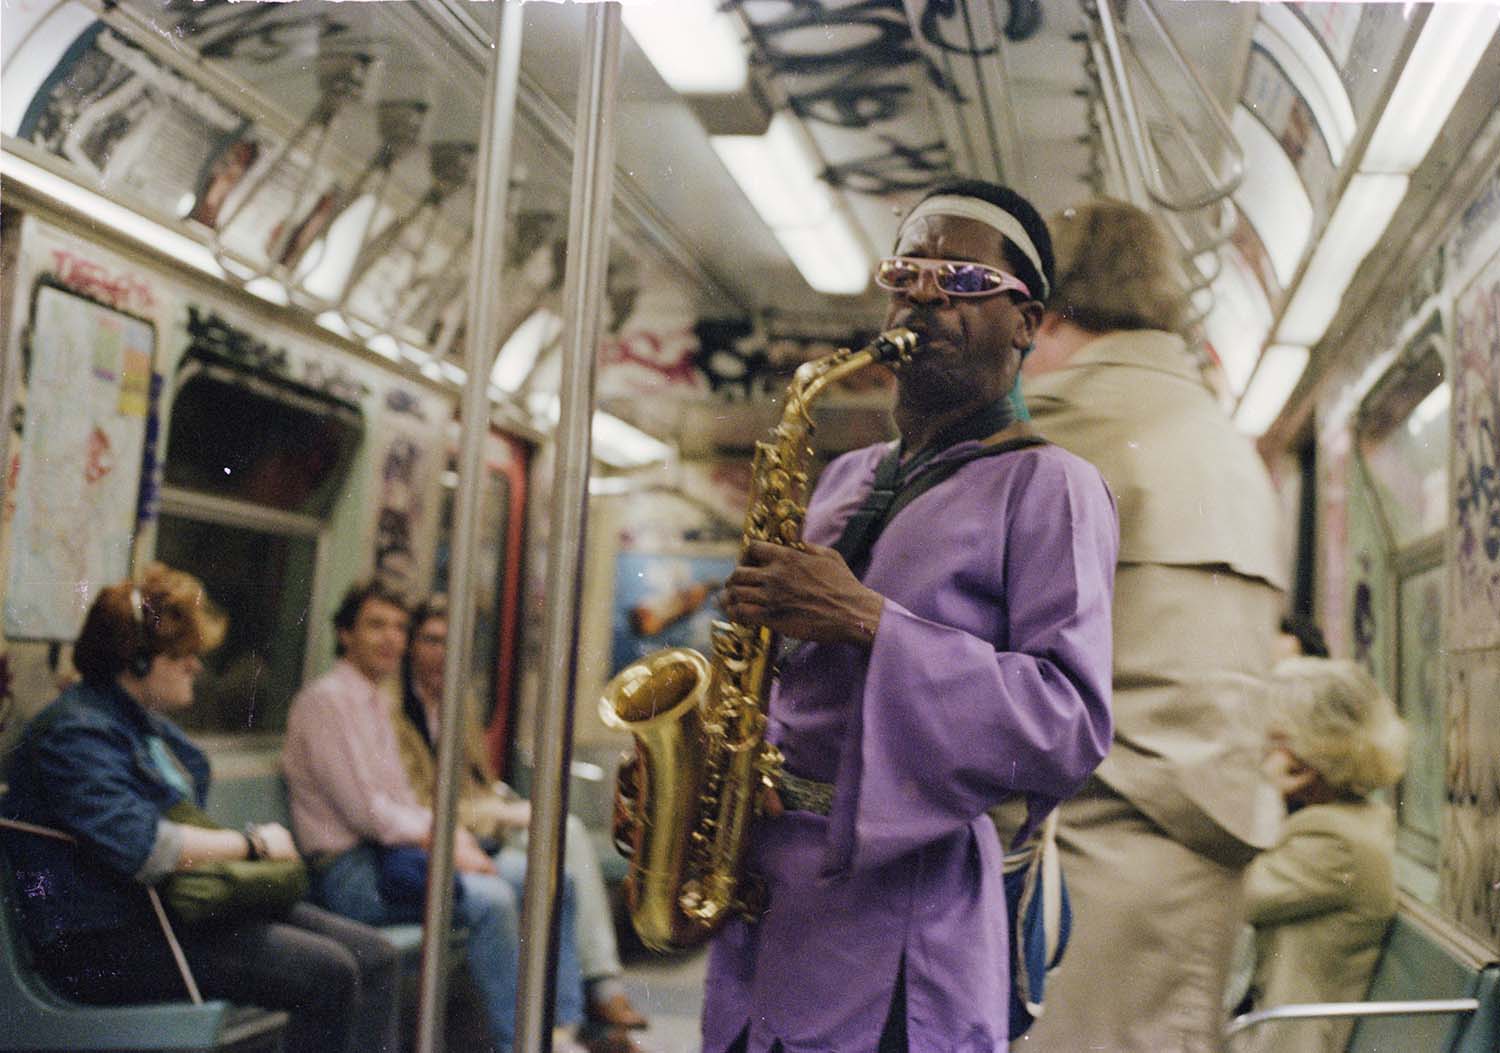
(1430, 993)
(33, 1017)
(261, 798)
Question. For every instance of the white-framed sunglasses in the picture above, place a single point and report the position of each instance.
(953, 277)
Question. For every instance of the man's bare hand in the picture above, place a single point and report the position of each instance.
(1284, 770)
(278, 841)
(512, 815)
(468, 857)
(805, 594)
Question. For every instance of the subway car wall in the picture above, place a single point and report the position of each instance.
(261, 385)
(1408, 521)
(271, 463)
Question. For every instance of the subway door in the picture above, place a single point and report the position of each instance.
(497, 584)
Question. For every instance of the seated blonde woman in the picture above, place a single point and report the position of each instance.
(498, 818)
(1320, 900)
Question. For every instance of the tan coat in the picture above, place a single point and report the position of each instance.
(1155, 846)
(1320, 901)
(1199, 589)
(481, 810)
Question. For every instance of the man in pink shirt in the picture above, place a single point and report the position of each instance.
(350, 800)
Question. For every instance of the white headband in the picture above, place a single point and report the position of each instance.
(990, 215)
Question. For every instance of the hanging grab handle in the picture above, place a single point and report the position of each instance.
(1119, 92)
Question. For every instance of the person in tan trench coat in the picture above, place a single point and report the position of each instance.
(1155, 845)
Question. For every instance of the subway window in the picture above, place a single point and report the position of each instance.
(264, 576)
(1402, 432)
(254, 462)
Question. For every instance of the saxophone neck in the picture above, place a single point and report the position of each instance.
(893, 347)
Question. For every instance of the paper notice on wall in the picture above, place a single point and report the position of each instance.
(80, 462)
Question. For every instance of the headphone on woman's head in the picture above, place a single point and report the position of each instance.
(140, 656)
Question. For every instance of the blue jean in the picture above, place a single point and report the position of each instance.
(489, 909)
(568, 1007)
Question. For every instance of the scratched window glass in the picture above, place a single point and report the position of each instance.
(1403, 430)
(1404, 443)
(265, 578)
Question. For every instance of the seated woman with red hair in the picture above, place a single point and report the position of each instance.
(104, 765)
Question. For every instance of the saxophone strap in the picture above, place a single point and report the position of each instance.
(805, 795)
(896, 485)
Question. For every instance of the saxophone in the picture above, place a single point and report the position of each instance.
(685, 805)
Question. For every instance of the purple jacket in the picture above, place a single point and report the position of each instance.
(989, 677)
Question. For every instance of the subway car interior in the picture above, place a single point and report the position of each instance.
(496, 299)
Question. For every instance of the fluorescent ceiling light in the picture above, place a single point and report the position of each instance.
(384, 344)
(1357, 224)
(622, 445)
(1239, 321)
(1276, 375)
(518, 356)
(1275, 201)
(243, 272)
(616, 443)
(779, 174)
(1435, 74)
(610, 485)
(99, 209)
(1291, 43)
(335, 323)
(325, 270)
(268, 289)
(694, 45)
(828, 255)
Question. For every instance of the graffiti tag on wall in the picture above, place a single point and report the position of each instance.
(851, 66)
(123, 290)
(209, 332)
(1476, 462)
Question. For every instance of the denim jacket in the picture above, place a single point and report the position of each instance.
(84, 766)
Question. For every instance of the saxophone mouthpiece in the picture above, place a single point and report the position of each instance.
(896, 346)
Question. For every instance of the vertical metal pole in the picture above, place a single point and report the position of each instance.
(583, 291)
(1132, 188)
(496, 135)
(1123, 103)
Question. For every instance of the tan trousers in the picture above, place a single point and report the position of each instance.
(1153, 930)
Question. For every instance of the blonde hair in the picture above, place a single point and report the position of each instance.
(1115, 269)
(1338, 721)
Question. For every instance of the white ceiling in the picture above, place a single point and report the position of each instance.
(895, 93)
(697, 218)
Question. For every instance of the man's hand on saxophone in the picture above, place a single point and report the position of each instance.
(806, 594)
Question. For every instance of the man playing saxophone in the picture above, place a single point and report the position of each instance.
(963, 661)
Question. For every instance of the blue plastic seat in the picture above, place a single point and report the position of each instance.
(1427, 993)
(34, 1017)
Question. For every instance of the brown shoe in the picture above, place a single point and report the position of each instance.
(616, 1011)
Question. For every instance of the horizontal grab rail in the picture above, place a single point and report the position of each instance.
(1328, 1010)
